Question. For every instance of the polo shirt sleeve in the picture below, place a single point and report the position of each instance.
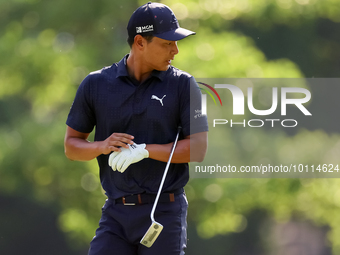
(81, 116)
(191, 118)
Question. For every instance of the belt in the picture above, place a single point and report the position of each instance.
(140, 199)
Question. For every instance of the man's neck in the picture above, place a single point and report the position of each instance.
(135, 68)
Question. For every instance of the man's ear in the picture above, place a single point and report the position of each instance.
(139, 42)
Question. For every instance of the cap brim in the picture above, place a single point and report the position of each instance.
(175, 35)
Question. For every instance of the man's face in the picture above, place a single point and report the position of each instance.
(159, 52)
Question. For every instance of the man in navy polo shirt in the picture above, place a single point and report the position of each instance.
(136, 106)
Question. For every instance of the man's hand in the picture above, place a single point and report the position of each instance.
(116, 142)
(120, 161)
(77, 147)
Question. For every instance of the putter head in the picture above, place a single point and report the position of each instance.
(151, 235)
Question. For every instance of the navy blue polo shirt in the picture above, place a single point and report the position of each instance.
(112, 102)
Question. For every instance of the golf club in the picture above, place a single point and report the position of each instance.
(155, 229)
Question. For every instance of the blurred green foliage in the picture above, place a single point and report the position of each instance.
(47, 48)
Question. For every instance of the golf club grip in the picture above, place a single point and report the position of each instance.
(164, 176)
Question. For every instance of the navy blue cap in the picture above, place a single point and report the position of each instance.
(158, 20)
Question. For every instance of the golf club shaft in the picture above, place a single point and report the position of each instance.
(164, 176)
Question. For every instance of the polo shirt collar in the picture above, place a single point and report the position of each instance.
(122, 70)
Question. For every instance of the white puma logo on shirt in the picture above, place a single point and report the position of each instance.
(157, 98)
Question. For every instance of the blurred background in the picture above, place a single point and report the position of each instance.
(50, 205)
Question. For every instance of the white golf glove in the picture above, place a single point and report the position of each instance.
(121, 160)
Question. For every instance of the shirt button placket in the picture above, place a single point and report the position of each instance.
(137, 105)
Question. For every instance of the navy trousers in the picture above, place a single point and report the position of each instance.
(121, 228)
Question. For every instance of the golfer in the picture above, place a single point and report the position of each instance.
(136, 107)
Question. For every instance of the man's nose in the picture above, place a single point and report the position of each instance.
(175, 49)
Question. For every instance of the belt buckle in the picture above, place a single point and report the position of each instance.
(124, 203)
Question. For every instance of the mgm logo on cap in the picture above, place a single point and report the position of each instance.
(144, 29)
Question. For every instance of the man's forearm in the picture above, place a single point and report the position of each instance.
(191, 149)
(77, 147)
(82, 150)
(161, 152)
